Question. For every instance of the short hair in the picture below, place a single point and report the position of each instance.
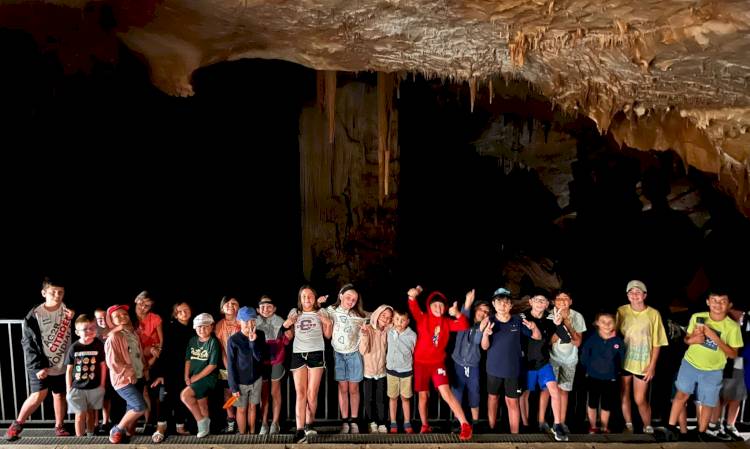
(718, 291)
(601, 314)
(400, 312)
(99, 309)
(143, 295)
(51, 282)
(501, 297)
(83, 319)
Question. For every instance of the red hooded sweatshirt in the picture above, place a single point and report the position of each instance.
(433, 332)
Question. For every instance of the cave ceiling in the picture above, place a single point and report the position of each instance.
(666, 74)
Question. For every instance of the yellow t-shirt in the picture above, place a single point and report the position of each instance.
(641, 331)
(708, 356)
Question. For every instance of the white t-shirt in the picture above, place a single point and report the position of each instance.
(346, 330)
(55, 329)
(567, 353)
(308, 332)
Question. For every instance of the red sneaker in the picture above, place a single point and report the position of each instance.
(61, 432)
(426, 429)
(408, 428)
(14, 431)
(466, 432)
(593, 430)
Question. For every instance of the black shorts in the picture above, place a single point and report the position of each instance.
(628, 374)
(606, 390)
(54, 383)
(508, 385)
(314, 359)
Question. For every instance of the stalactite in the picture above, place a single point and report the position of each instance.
(472, 92)
(320, 89)
(330, 98)
(385, 90)
(492, 91)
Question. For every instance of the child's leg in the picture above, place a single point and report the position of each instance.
(393, 409)
(554, 393)
(406, 408)
(61, 408)
(458, 411)
(514, 413)
(591, 413)
(563, 404)
(300, 387)
(276, 396)
(605, 419)
(492, 403)
(188, 398)
(380, 398)
(368, 387)
(81, 424)
(682, 418)
(264, 405)
(678, 406)
(127, 423)
(242, 420)
(230, 410)
(627, 384)
(354, 399)
(344, 399)
(106, 418)
(91, 423)
(203, 405)
(474, 394)
(523, 405)
(640, 391)
(733, 410)
(423, 397)
(543, 403)
(251, 418)
(313, 385)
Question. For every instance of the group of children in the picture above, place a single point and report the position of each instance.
(537, 349)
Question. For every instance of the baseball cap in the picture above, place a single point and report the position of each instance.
(203, 319)
(265, 300)
(502, 292)
(635, 284)
(246, 314)
(112, 309)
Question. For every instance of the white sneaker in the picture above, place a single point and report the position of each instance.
(204, 428)
(344, 428)
(648, 430)
(274, 428)
(263, 429)
(382, 429)
(373, 427)
(353, 428)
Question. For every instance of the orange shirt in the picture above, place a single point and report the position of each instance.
(225, 329)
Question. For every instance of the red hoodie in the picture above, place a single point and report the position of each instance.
(433, 332)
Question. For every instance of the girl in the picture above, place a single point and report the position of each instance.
(180, 332)
(148, 327)
(372, 345)
(225, 328)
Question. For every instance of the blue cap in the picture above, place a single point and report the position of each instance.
(502, 292)
(246, 314)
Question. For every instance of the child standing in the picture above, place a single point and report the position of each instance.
(433, 331)
(102, 332)
(466, 355)
(46, 337)
(602, 355)
(180, 332)
(372, 345)
(245, 353)
(85, 375)
(277, 340)
(148, 327)
(347, 315)
(399, 368)
(643, 331)
(225, 328)
(201, 360)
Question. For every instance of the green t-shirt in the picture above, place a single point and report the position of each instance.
(708, 356)
(642, 331)
(201, 354)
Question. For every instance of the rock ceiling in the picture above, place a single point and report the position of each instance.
(657, 74)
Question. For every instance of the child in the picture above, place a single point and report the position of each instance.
(308, 360)
(644, 335)
(372, 346)
(148, 327)
(273, 371)
(127, 369)
(102, 332)
(85, 375)
(433, 330)
(348, 316)
(713, 337)
(225, 328)
(180, 332)
(201, 360)
(45, 340)
(539, 371)
(245, 352)
(466, 355)
(399, 364)
(501, 338)
(602, 355)
(563, 356)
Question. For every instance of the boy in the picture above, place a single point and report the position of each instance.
(712, 338)
(433, 331)
(225, 328)
(102, 332)
(201, 360)
(273, 367)
(643, 331)
(501, 338)
(85, 376)
(399, 362)
(46, 337)
(466, 356)
(127, 369)
(245, 353)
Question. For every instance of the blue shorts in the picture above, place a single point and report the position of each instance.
(467, 377)
(706, 385)
(348, 367)
(540, 377)
(133, 396)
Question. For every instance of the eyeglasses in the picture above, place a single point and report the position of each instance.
(86, 329)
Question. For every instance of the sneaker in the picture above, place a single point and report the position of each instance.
(648, 430)
(231, 427)
(61, 432)
(14, 430)
(706, 437)
(671, 433)
(559, 433)
(734, 434)
(466, 432)
(181, 430)
(300, 436)
(717, 432)
(425, 429)
(353, 428)
(309, 431)
(115, 435)
(344, 428)
(274, 428)
(408, 428)
(382, 429)
(393, 428)
(628, 428)
(373, 427)
(544, 428)
(593, 430)
(204, 428)
(263, 429)
(565, 428)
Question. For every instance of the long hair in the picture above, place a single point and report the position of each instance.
(358, 308)
(316, 306)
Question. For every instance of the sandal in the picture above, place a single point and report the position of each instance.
(157, 437)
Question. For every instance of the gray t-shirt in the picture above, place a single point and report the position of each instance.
(567, 353)
(55, 330)
(308, 332)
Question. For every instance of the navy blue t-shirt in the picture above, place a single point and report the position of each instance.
(504, 354)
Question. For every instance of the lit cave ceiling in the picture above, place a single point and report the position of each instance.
(657, 74)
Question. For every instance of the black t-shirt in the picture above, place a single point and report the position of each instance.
(86, 361)
(537, 351)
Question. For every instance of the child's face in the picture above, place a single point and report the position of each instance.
(143, 306)
(101, 319)
(247, 326)
(307, 298)
(385, 318)
(718, 304)
(502, 306)
(231, 307)
(400, 322)
(53, 295)
(120, 317)
(437, 308)
(267, 310)
(86, 332)
(538, 304)
(563, 301)
(606, 324)
(204, 332)
(349, 299)
(183, 313)
(480, 313)
(637, 298)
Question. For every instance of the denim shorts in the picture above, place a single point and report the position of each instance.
(705, 384)
(348, 367)
(133, 396)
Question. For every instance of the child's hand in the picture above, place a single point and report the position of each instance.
(41, 374)
(529, 324)
(253, 335)
(488, 329)
(322, 300)
(469, 299)
(453, 311)
(236, 394)
(364, 327)
(69, 313)
(557, 317)
(414, 292)
(157, 382)
(324, 318)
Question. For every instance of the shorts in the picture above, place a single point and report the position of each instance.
(707, 383)
(56, 384)
(203, 387)
(605, 391)
(508, 385)
(399, 386)
(467, 378)
(348, 367)
(565, 374)
(273, 372)
(540, 377)
(249, 394)
(733, 389)
(424, 373)
(311, 360)
(133, 396)
(637, 376)
(80, 400)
